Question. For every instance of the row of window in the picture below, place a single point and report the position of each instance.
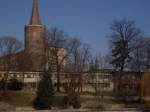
(20, 75)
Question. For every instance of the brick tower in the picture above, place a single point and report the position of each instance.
(34, 39)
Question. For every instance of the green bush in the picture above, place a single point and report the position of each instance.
(42, 103)
(76, 102)
(71, 100)
(14, 85)
(45, 93)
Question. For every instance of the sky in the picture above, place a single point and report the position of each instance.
(89, 20)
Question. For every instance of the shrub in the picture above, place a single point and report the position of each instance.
(14, 84)
(65, 102)
(71, 100)
(45, 93)
(42, 103)
(2, 84)
(76, 102)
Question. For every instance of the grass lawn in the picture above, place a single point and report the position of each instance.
(22, 99)
(18, 99)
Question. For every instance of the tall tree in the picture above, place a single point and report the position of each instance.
(79, 56)
(137, 62)
(56, 51)
(124, 33)
(77, 64)
(100, 62)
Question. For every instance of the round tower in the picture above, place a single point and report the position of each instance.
(34, 39)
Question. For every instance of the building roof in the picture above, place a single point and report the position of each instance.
(35, 17)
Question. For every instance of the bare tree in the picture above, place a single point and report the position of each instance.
(96, 78)
(101, 61)
(146, 52)
(141, 55)
(57, 51)
(123, 37)
(85, 56)
(79, 56)
(73, 60)
(124, 33)
(137, 63)
(77, 62)
(9, 46)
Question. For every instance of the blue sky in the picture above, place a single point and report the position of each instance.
(88, 19)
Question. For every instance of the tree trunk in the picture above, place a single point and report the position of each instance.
(58, 82)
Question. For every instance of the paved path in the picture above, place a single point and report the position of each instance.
(80, 111)
(84, 110)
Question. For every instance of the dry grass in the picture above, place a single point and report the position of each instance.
(18, 99)
(24, 99)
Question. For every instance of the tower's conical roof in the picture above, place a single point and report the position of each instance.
(35, 17)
